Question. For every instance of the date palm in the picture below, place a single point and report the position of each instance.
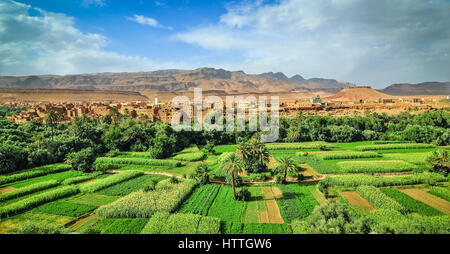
(50, 119)
(232, 166)
(285, 166)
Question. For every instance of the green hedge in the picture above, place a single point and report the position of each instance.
(37, 200)
(28, 190)
(110, 180)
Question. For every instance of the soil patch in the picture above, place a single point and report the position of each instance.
(6, 189)
(273, 211)
(356, 201)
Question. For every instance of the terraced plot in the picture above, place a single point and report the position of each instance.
(429, 199)
(356, 201)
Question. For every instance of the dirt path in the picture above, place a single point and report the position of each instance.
(75, 224)
(356, 201)
(6, 189)
(429, 199)
(273, 211)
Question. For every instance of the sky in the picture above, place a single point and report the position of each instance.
(366, 42)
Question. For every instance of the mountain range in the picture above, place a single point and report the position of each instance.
(209, 79)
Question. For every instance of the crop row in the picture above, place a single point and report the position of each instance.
(110, 180)
(39, 171)
(380, 200)
(298, 146)
(362, 179)
(165, 223)
(410, 203)
(28, 190)
(442, 192)
(127, 187)
(347, 155)
(200, 201)
(137, 161)
(79, 179)
(190, 156)
(381, 166)
(65, 208)
(126, 226)
(393, 147)
(36, 200)
(297, 202)
(166, 197)
(225, 207)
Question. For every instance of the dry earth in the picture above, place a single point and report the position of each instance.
(356, 201)
(431, 200)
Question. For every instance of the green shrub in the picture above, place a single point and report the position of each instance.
(36, 200)
(82, 160)
(197, 156)
(243, 194)
(28, 190)
(380, 200)
(110, 180)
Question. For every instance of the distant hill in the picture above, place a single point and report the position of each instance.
(427, 88)
(177, 81)
(358, 93)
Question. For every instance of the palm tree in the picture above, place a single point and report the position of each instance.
(202, 172)
(115, 115)
(286, 165)
(51, 119)
(232, 166)
(254, 155)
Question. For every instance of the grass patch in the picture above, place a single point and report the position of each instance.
(34, 172)
(410, 203)
(65, 208)
(201, 200)
(380, 166)
(28, 190)
(127, 187)
(110, 180)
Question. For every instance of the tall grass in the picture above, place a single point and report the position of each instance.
(380, 200)
(110, 180)
(28, 190)
(166, 197)
(298, 146)
(36, 200)
(79, 179)
(196, 156)
(165, 223)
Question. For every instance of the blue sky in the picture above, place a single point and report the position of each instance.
(366, 42)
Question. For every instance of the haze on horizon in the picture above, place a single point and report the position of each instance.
(375, 43)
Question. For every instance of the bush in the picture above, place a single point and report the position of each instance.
(237, 180)
(440, 162)
(110, 180)
(243, 194)
(163, 147)
(40, 157)
(12, 158)
(82, 160)
(46, 229)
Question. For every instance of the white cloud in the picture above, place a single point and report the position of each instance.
(49, 43)
(146, 21)
(97, 3)
(369, 42)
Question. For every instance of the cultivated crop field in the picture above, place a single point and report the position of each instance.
(388, 182)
